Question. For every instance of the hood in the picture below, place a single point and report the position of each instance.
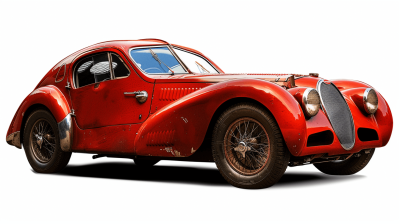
(285, 80)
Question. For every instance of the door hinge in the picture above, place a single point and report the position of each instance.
(68, 86)
(73, 113)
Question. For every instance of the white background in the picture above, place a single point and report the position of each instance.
(338, 39)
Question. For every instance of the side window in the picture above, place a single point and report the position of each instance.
(97, 68)
(195, 63)
(120, 69)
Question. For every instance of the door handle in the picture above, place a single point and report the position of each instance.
(141, 96)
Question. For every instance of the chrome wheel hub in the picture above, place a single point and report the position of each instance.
(242, 149)
(39, 140)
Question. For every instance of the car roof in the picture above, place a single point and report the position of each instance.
(122, 44)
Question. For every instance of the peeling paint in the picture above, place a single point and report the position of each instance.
(177, 153)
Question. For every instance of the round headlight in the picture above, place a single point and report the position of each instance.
(370, 101)
(311, 102)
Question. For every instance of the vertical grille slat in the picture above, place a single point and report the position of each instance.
(338, 113)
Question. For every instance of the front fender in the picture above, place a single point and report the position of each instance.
(50, 97)
(179, 128)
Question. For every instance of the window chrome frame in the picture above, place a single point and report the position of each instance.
(75, 80)
(170, 50)
(111, 61)
(205, 59)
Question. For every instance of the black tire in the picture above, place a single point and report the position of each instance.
(145, 162)
(47, 156)
(270, 162)
(346, 167)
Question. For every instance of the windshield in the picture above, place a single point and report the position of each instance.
(195, 63)
(160, 63)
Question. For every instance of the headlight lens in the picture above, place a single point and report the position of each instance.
(311, 102)
(370, 101)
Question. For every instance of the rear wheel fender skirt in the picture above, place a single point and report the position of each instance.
(179, 128)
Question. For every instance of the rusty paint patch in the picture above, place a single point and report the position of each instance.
(177, 153)
(169, 150)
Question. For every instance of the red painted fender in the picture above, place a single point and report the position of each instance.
(48, 96)
(179, 128)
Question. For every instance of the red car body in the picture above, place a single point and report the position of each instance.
(181, 109)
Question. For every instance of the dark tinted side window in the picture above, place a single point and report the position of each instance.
(120, 69)
(92, 69)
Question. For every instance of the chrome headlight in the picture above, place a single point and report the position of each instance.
(370, 100)
(311, 102)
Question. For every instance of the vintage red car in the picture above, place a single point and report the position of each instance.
(149, 100)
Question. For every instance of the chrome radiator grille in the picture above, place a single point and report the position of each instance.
(338, 113)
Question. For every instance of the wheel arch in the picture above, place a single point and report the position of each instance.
(206, 144)
(26, 115)
(49, 98)
(233, 101)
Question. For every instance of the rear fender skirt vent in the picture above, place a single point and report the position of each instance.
(367, 134)
(320, 138)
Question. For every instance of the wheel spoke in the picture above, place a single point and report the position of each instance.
(40, 141)
(249, 135)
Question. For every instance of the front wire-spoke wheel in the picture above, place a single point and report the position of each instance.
(248, 147)
(42, 143)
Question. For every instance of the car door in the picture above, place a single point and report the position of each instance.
(105, 91)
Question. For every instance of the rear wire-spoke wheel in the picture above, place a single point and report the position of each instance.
(42, 143)
(248, 147)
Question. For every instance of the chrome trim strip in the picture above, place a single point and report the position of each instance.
(65, 133)
(319, 83)
(14, 139)
(123, 62)
(155, 46)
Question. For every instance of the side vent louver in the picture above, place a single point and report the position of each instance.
(171, 94)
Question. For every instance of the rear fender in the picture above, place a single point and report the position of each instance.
(51, 98)
(179, 128)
